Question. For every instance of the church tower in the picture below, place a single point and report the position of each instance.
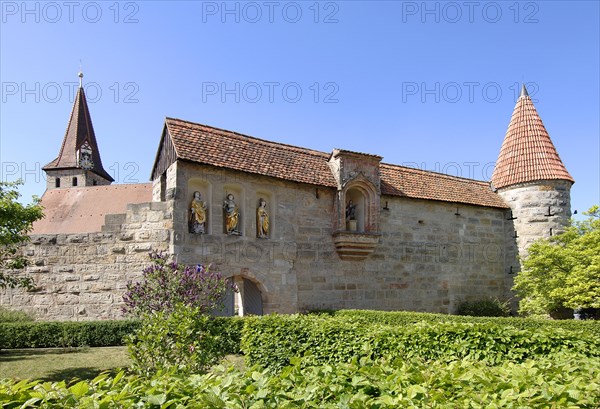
(531, 178)
(78, 162)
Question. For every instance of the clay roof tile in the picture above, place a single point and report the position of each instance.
(226, 149)
(527, 153)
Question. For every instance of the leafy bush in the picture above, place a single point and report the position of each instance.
(166, 284)
(183, 339)
(7, 315)
(555, 381)
(491, 307)
(53, 334)
(562, 271)
(272, 341)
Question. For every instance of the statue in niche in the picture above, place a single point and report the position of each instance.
(197, 218)
(350, 211)
(262, 220)
(232, 215)
(351, 223)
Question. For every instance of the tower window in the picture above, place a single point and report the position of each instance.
(74, 181)
(57, 182)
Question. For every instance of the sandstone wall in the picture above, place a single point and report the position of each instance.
(430, 256)
(84, 276)
(539, 209)
(428, 259)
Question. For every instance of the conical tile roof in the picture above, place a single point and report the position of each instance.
(79, 131)
(527, 153)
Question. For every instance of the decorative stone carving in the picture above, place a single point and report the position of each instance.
(197, 222)
(355, 246)
(357, 213)
(262, 220)
(232, 215)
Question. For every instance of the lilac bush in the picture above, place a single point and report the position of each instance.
(166, 284)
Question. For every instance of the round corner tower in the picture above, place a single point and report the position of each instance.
(531, 178)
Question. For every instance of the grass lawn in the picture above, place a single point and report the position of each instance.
(57, 364)
(65, 364)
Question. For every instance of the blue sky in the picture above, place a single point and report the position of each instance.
(424, 84)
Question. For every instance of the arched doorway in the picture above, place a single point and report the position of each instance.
(247, 301)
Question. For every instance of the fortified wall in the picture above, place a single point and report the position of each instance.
(296, 229)
(429, 255)
(84, 276)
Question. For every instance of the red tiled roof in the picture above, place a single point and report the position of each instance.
(527, 152)
(421, 184)
(231, 150)
(82, 209)
(226, 149)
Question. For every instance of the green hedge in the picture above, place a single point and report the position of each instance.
(401, 318)
(52, 334)
(271, 341)
(62, 334)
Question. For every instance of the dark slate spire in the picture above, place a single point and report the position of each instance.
(524, 92)
(80, 132)
(527, 153)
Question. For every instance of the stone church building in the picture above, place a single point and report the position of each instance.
(297, 229)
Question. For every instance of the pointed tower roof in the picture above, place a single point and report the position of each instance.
(527, 153)
(79, 131)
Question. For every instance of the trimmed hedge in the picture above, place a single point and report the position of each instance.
(402, 318)
(271, 341)
(63, 334)
(53, 334)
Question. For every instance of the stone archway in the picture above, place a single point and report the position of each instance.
(247, 301)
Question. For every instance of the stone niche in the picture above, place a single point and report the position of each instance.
(357, 203)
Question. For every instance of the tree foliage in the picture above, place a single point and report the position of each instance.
(16, 221)
(563, 271)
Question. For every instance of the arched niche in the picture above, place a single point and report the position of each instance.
(356, 199)
(239, 199)
(205, 189)
(366, 198)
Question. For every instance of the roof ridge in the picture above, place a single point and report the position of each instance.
(437, 174)
(246, 137)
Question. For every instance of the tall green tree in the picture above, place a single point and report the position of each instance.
(16, 221)
(563, 271)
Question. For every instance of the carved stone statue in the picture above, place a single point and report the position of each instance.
(197, 219)
(350, 211)
(232, 215)
(262, 220)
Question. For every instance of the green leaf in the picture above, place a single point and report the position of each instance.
(156, 399)
(80, 389)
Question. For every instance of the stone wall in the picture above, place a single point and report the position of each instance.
(84, 276)
(539, 210)
(67, 176)
(430, 256)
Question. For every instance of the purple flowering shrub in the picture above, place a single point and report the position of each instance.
(174, 302)
(166, 284)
